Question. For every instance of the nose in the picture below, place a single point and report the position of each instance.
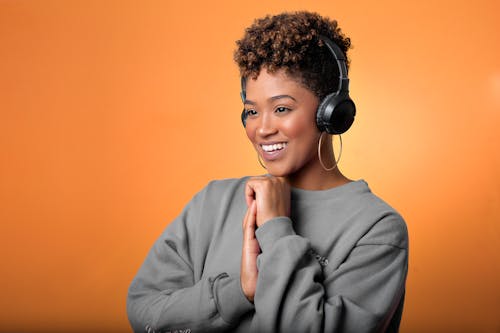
(266, 126)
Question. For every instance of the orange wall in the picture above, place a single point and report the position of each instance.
(114, 113)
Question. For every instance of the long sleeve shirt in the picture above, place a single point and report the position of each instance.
(337, 264)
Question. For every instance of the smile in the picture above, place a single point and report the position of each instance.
(273, 147)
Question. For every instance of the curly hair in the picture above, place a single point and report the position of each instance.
(289, 41)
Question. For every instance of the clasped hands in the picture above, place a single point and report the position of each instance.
(266, 197)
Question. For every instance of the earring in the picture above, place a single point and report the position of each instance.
(260, 162)
(319, 153)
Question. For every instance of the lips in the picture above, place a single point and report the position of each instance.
(273, 150)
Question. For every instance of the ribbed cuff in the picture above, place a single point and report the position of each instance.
(230, 299)
(273, 230)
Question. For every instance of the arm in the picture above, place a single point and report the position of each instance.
(165, 295)
(293, 294)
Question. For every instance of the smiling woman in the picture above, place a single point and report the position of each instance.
(300, 249)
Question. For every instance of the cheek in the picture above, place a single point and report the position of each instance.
(250, 132)
(300, 127)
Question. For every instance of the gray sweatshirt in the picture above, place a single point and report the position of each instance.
(338, 264)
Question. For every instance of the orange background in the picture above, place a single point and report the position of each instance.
(114, 113)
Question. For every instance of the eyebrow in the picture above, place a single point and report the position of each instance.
(273, 98)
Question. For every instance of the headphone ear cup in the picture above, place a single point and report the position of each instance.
(322, 118)
(244, 118)
(343, 115)
(335, 114)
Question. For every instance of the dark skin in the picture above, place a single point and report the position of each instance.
(281, 125)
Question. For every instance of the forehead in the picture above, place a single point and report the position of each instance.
(270, 84)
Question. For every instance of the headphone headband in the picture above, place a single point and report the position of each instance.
(343, 85)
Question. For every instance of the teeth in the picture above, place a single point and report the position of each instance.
(276, 146)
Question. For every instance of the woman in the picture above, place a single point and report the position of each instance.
(301, 249)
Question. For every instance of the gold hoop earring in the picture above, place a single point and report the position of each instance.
(260, 162)
(319, 153)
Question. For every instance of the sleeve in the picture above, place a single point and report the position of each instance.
(294, 294)
(165, 296)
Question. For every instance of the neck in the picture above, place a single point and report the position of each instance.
(321, 180)
(313, 176)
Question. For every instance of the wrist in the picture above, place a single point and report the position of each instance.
(265, 218)
(273, 231)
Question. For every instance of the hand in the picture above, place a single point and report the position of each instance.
(249, 253)
(272, 197)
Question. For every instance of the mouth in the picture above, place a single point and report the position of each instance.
(273, 151)
(273, 147)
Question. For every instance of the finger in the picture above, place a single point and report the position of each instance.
(250, 192)
(244, 222)
(282, 180)
(253, 211)
(246, 219)
(249, 227)
(253, 183)
(251, 216)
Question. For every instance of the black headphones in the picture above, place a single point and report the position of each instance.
(336, 111)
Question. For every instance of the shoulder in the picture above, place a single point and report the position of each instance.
(211, 202)
(221, 192)
(387, 224)
(222, 188)
(225, 185)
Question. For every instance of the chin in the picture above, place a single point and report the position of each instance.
(279, 172)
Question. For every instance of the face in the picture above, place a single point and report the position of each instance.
(281, 123)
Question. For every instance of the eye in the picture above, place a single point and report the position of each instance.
(250, 112)
(281, 109)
